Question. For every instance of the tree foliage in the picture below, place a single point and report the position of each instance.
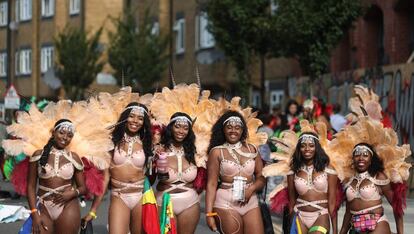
(309, 30)
(241, 30)
(136, 53)
(78, 60)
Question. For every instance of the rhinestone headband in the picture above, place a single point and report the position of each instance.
(361, 149)
(233, 121)
(181, 120)
(138, 110)
(308, 138)
(66, 125)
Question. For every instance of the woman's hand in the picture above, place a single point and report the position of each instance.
(211, 223)
(87, 218)
(247, 195)
(37, 224)
(63, 198)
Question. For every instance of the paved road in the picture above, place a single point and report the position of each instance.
(100, 223)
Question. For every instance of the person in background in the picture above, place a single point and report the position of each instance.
(290, 119)
(337, 120)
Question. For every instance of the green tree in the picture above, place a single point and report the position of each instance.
(78, 60)
(136, 53)
(309, 30)
(241, 30)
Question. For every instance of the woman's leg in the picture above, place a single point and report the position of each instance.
(118, 217)
(252, 222)
(229, 221)
(382, 228)
(47, 221)
(69, 220)
(188, 219)
(322, 221)
(136, 220)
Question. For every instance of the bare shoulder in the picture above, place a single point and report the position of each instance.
(37, 153)
(381, 176)
(252, 148)
(214, 153)
(76, 157)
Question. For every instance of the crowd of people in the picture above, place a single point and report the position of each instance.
(141, 147)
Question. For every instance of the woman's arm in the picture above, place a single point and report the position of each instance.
(259, 181)
(291, 192)
(346, 223)
(389, 194)
(98, 199)
(332, 187)
(32, 182)
(213, 165)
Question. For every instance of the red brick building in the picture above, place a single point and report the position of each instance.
(384, 35)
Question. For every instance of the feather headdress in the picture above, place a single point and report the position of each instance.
(33, 130)
(365, 102)
(206, 111)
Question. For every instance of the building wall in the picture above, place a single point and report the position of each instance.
(361, 49)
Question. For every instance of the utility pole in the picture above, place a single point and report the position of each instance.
(36, 48)
(9, 68)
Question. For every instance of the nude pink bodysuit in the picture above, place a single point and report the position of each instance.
(368, 192)
(65, 172)
(137, 160)
(230, 168)
(178, 179)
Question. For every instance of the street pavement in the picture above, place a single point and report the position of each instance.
(100, 224)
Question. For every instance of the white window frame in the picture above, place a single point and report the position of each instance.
(48, 8)
(204, 39)
(17, 10)
(25, 10)
(3, 64)
(155, 30)
(46, 58)
(74, 7)
(3, 13)
(179, 28)
(25, 62)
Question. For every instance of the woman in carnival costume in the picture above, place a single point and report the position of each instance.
(52, 170)
(177, 171)
(133, 148)
(311, 185)
(232, 205)
(374, 166)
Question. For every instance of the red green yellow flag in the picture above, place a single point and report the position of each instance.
(150, 221)
(167, 220)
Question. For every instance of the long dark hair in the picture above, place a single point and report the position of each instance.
(144, 132)
(167, 139)
(376, 163)
(320, 160)
(217, 132)
(48, 147)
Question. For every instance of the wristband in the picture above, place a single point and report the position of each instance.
(93, 214)
(77, 191)
(33, 211)
(211, 214)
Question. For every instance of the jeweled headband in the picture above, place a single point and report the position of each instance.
(181, 120)
(361, 149)
(138, 110)
(233, 121)
(308, 138)
(66, 125)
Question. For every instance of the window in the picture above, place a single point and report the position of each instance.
(24, 10)
(204, 39)
(155, 30)
(3, 13)
(3, 64)
(180, 36)
(74, 7)
(24, 61)
(273, 6)
(48, 8)
(46, 58)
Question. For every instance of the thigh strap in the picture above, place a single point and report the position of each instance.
(318, 229)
